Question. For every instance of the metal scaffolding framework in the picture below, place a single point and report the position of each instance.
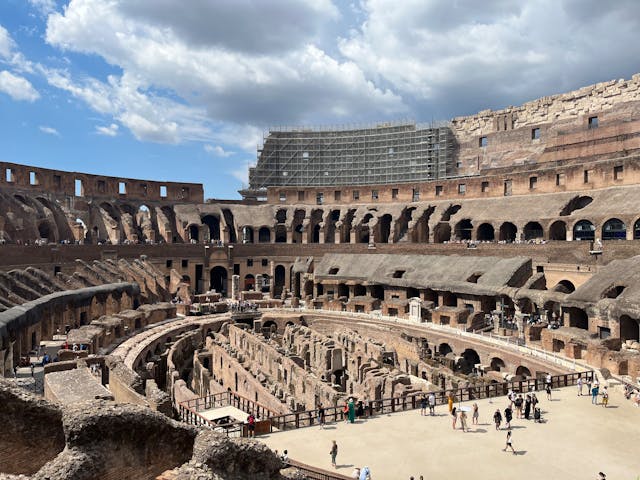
(373, 155)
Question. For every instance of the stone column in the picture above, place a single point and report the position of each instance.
(272, 273)
(235, 287)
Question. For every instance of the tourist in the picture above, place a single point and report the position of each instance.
(475, 414)
(251, 420)
(497, 418)
(509, 443)
(432, 404)
(589, 383)
(580, 383)
(450, 401)
(345, 412)
(549, 392)
(356, 473)
(463, 420)
(548, 380)
(595, 390)
(365, 474)
(334, 453)
(454, 417)
(423, 405)
(352, 410)
(534, 401)
(518, 404)
(527, 406)
(508, 416)
(605, 397)
(321, 416)
(360, 410)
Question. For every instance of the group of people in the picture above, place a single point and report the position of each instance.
(243, 306)
(593, 390)
(633, 394)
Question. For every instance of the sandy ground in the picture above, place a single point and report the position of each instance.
(576, 441)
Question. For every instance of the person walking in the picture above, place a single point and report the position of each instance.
(595, 390)
(497, 418)
(322, 416)
(580, 383)
(518, 403)
(432, 404)
(475, 414)
(450, 401)
(345, 412)
(334, 453)
(423, 406)
(549, 392)
(463, 420)
(454, 415)
(508, 416)
(605, 397)
(509, 443)
(352, 411)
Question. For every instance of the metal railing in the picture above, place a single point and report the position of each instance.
(411, 402)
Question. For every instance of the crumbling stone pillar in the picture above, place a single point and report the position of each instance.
(235, 287)
(272, 274)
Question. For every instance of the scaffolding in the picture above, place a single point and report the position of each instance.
(379, 154)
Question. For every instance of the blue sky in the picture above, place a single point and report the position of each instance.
(153, 89)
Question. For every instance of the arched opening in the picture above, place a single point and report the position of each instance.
(486, 233)
(614, 292)
(442, 233)
(508, 232)
(270, 326)
(444, 349)
(470, 359)
(523, 371)
(264, 235)
(281, 216)
(377, 291)
(533, 231)
(614, 229)
(45, 232)
(218, 279)
(83, 236)
(194, 234)
(629, 328)
(249, 282)
(315, 237)
(636, 230)
(343, 291)
(359, 290)
(464, 229)
(266, 283)
(247, 234)
(558, 230)
(578, 318)
(363, 234)
(497, 364)
(384, 226)
(281, 234)
(279, 280)
(574, 204)
(564, 286)
(584, 230)
(213, 224)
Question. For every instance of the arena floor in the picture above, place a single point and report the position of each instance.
(576, 441)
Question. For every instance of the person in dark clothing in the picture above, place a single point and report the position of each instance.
(508, 415)
(527, 407)
(497, 418)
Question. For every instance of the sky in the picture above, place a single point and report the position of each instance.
(183, 90)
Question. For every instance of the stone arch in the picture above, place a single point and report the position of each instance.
(486, 233)
(264, 235)
(523, 371)
(508, 232)
(194, 233)
(558, 230)
(442, 233)
(278, 280)
(564, 286)
(576, 203)
(315, 234)
(230, 222)
(297, 225)
(218, 279)
(614, 229)
(247, 234)
(464, 229)
(47, 231)
(584, 230)
(384, 229)
(497, 364)
(213, 224)
(444, 349)
(470, 359)
(629, 328)
(281, 234)
(533, 231)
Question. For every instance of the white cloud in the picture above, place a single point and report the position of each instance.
(240, 79)
(45, 7)
(108, 131)
(49, 130)
(18, 88)
(217, 151)
(6, 43)
(241, 174)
